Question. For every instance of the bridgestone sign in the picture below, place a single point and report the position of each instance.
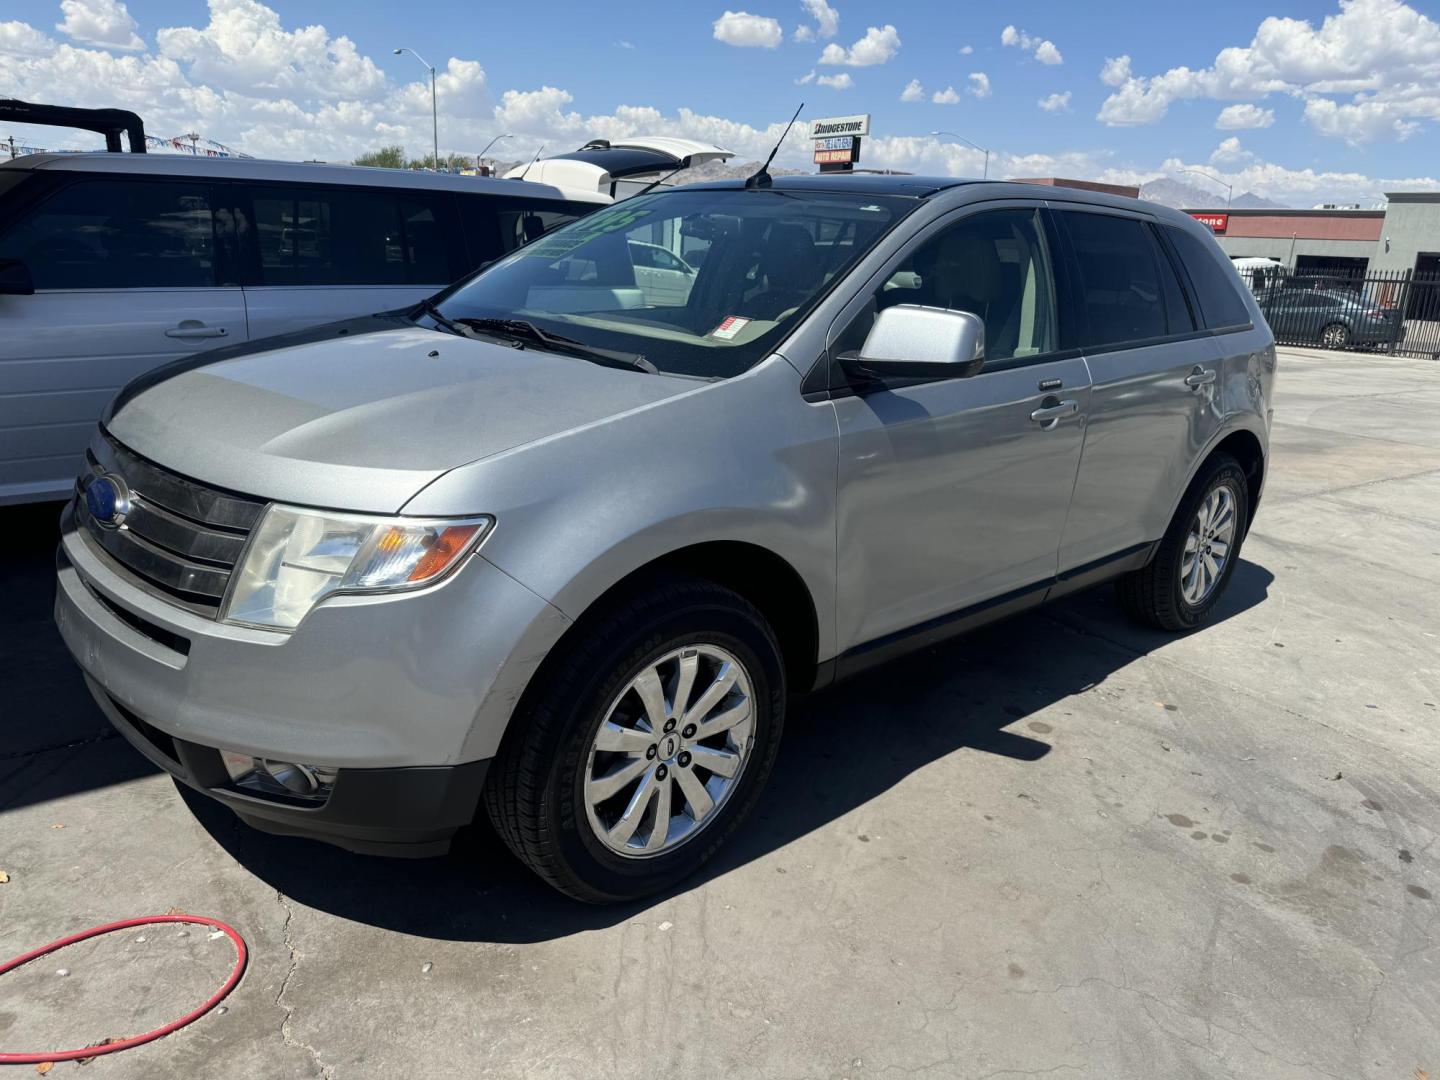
(840, 125)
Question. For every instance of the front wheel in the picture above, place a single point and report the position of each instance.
(1197, 556)
(646, 746)
(1335, 336)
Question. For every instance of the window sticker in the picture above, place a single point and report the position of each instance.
(729, 327)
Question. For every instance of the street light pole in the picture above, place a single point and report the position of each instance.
(967, 142)
(480, 158)
(434, 113)
(1229, 188)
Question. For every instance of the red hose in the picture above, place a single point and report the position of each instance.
(149, 1036)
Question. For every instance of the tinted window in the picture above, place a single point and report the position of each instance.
(994, 265)
(1215, 285)
(117, 234)
(315, 236)
(1126, 285)
(497, 226)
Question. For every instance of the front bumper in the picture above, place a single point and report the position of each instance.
(405, 812)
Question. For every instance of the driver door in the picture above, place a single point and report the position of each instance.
(953, 494)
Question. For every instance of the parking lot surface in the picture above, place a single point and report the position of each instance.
(1063, 846)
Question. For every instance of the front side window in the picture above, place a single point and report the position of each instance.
(319, 236)
(995, 265)
(117, 234)
(624, 277)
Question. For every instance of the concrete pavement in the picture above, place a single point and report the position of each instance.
(1062, 846)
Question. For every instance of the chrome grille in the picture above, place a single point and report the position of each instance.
(180, 539)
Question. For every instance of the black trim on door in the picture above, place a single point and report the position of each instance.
(891, 646)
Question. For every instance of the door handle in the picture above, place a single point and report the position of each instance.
(189, 329)
(1199, 377)
(1047, 413)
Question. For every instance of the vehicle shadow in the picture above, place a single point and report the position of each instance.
(54, 741)
(971, 695)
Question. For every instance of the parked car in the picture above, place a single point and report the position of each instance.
(545, 547)
(1335, 318)
(111, 264)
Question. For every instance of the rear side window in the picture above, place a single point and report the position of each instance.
(1214, 284)
(117, 234)
(319, 236)
(1127, 284)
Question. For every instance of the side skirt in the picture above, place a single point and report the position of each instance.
(892, 646)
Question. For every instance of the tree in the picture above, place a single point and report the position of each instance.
(387, 157)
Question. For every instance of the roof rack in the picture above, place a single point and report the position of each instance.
(108, 122)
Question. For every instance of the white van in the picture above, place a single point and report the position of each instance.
(111, 264)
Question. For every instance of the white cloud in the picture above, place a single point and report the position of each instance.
(1383, 52)
(948, 96)
(1244, 118)
(1116, 71)
(979, 84)
(22, 39)
(842, 81)
(1055, 103)
(806, 79)
(803, 33)
(746, 31)
(966, 50)
(99, 22)
(624, 45)
(878, 46)
(913, 91)
(826, 18)
(1044, 49)
(1230, 152)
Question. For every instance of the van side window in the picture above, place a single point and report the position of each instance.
(118, 234)
(1215, 285)
(1123, 284)
(995, 265)
(497, 226)
(319, 236)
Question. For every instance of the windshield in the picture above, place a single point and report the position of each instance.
(695, 282)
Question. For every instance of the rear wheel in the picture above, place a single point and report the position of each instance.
(647, 745)
(1197, 555)
(1335, 336)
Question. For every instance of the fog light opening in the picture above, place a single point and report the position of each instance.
(279, 779)
(294, 777)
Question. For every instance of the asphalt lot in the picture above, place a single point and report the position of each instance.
(1062, 846)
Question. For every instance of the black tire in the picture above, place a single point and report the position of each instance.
(1152, 595)
(1335, 336)
(534, 791)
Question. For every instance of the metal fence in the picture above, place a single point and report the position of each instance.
(1391, 312)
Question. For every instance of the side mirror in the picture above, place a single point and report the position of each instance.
(15, 279)
(910, 341)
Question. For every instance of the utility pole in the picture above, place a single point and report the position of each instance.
(967, 142)
(434, 114)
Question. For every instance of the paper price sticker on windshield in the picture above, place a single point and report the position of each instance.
(729, 327)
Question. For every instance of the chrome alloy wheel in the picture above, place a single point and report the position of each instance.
(1207, 545)
(670, 751)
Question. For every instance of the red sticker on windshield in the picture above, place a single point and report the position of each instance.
(729, 327)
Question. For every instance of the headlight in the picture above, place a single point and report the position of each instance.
(296, 558)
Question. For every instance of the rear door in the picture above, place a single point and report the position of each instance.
(129, 272)
(316, 254)
(1155, 380)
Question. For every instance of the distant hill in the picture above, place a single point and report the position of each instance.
(1183, 196)
(1251, 201)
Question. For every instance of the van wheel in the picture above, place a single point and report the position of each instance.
(645, 746)
(1197, 556)
(1335, 336)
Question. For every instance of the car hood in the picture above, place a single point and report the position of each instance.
(363, 420)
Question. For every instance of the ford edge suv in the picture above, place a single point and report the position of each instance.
(548, 549)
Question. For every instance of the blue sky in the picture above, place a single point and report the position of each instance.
(1298, 100)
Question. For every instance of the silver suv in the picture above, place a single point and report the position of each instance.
(561, 542)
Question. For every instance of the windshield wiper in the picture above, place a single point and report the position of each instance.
(522, 331)
(428, 307)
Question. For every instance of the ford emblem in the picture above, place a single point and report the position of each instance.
(108, 500)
